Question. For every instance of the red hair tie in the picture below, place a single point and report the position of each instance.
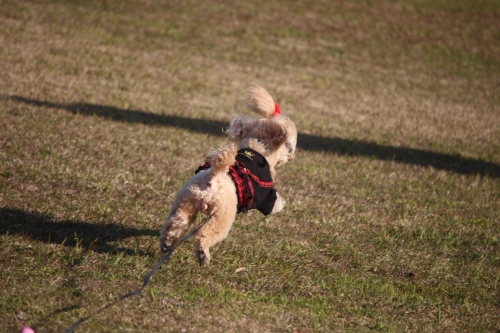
(277, 110)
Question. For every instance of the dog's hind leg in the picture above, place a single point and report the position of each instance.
(215, 230)
(176, 225)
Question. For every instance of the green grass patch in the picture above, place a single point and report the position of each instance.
(393, 201)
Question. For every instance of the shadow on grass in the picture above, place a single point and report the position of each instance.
(89, 236)
(133, 116)
(420, 157)
(425, 158)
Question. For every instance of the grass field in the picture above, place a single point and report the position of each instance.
(392, 221)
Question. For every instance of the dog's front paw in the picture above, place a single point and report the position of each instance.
(279, 204)
(165, 247)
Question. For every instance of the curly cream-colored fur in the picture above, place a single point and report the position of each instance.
(259, 101)
(213, 190)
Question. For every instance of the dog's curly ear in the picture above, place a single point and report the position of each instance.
(235, 130)
(275, 133)
(240, 127)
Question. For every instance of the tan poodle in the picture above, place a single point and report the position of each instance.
(235, 178)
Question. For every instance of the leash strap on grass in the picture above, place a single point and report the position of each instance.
(146, 281)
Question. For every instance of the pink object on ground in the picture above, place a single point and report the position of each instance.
(27, 329)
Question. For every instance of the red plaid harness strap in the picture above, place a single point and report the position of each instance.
(244, 187)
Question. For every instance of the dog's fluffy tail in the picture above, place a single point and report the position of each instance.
(222, 158)
(259, 101)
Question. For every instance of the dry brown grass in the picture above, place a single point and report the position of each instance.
(393, 201)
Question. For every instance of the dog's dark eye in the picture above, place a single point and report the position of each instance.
(290, 147)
